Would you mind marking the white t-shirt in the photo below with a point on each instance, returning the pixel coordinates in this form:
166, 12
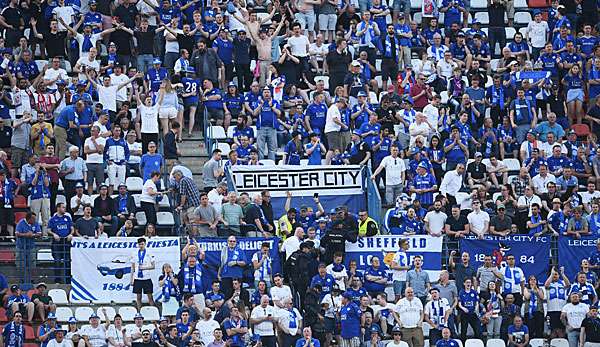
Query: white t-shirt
394, 167
409, 312
394, 344
575, 313
206, 329
64, 343
433, 115
117, 81
586, 196
401, 258
143, 7
335, 305
264, 328
215, 199
437, 221
134, 159
21, 101
97, 336
66, 13
339, 276
280, 293
540, 183
290, 245
85, 200
537, 33
477, 220
51, 74
172, 46
534, 199
94, 158
107, 96
116, 334
149, 184
333, 112
298, 45
85, 63
149, 119
131, 329
318, 51
147, 262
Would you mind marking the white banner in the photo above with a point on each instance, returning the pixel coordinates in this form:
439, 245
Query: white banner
300, 180
385, 246
101, 268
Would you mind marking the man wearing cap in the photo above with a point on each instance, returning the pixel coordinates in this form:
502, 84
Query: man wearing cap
423, 184
59, 339
155, 75
140, 273
79, 201
437, 312
355, 82
357, 151
134, 332
47, 330
19, 303
94, 334
477, 173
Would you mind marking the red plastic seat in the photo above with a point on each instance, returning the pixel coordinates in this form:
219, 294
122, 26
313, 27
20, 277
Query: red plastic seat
29, 333
30, 292
19, 216
20, 201
7, 256
538, 3
30, 345
3, 317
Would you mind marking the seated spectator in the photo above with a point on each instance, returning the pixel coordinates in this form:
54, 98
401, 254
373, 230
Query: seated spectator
518, 333
19, 303
43, 302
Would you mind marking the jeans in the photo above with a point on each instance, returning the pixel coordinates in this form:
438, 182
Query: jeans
26, 262
391, 192
170, 59
114, 224
365, 5
573, 337
496, 34
144, 62
493, 327
267, 136
521, 132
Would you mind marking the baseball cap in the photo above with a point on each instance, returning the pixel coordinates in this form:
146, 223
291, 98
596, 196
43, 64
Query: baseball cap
72, 320
79, 185
347, 295
501, 206
138, 315
93, 315
51, 315
422, 164
41, 284
156, 61
361, 93
355, 63
478, 154
14, 288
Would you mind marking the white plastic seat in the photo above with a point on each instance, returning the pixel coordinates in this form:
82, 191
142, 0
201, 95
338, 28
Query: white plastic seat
303, 162
82, 314
494, 64
483, 17
123, 299
230, 132
535, 343
521, 4
522, 18
224, 147
136, 199
164, 218
474, 343
510, 33
75, 300
110, 312
45, 255
416, 4
500, 343
141, 218
216, 132
444, 96
127, 313
478, 4
59, 296
63, 314
134, 184
61, 198
559, 343
267, 162
325, 80
164, 202
150, 313
512, 164
373, 98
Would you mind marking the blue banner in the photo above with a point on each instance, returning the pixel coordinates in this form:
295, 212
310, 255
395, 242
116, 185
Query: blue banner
571, 251
532, 254
250, 245
385, 246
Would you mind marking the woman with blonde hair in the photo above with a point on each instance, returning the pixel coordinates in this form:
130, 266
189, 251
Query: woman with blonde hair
574, 84
169, 106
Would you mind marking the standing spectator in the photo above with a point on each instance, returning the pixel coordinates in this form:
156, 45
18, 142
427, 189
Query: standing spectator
418, 280
8, 189
94, 149
589, 331
572, 316
350, 317
60, 228
13, 333
149, 196
462, 270
40, 195
468, 303
212, 171
435, 220
236, 328
116, 155
104, 210
51, 164
233, 261
395, 171
27, 230
290, 323
479, 220
74, 170
437, 312
267, 111
189, 194
513, 280
263, 318
139, 282
409, 311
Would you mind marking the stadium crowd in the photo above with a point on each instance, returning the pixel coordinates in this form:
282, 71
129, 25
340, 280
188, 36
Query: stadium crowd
97, 94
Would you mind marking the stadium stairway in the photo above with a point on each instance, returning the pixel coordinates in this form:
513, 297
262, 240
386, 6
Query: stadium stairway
193, 155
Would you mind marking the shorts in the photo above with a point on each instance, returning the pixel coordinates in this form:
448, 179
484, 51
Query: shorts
334, 141
189, 102
399, 287
555, 322
575, 94
7, 217
142, 286
18, 156
215, 113
331, 326
389, 69
306, 20
167, 112
327, 22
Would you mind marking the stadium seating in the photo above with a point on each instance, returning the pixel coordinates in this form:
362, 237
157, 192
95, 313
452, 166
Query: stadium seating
522, 18
216, 132
536, 342
110, 312
559, 343
63, 314
150, 313
134, 184
474, 343
127, 313
83, 313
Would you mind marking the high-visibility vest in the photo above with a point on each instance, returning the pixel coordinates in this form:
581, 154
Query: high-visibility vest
362, 227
